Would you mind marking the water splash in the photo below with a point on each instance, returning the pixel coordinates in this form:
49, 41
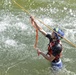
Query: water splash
11, 42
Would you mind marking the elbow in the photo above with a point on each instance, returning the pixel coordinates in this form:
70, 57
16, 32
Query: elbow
50, 58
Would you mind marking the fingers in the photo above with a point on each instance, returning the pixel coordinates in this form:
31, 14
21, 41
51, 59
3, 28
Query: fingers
38, 51
32, 18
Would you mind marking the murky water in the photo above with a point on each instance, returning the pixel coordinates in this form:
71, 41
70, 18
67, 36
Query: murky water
17, 36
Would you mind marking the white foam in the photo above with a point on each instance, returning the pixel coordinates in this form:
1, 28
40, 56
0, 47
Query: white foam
67, 59
65, 8
48, 21
67, 72
22, 26
11, 42
3, 26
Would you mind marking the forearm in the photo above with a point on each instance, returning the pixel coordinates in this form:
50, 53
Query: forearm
46, 57
37, 26
43, 32
40, 29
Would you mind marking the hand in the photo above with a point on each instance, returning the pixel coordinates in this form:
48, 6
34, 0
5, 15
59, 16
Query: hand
32, 18
32, 21
38, 51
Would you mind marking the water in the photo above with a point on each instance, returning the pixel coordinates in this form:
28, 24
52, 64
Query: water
17, 36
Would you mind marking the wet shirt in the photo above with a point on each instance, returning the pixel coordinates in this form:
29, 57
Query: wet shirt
57, 48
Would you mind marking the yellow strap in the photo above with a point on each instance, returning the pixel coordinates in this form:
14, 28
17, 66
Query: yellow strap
44, 24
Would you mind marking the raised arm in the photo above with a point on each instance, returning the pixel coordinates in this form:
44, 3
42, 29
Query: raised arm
37, 26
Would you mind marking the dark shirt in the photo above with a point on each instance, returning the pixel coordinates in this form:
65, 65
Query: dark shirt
57, 48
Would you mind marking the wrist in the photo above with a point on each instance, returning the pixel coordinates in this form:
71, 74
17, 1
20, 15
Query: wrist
41, 53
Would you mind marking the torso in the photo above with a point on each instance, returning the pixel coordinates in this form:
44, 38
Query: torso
55, 49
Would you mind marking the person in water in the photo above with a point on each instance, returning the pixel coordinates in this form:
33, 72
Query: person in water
54, 47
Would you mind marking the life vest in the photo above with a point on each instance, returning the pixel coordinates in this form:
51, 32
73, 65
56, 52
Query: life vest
50, 51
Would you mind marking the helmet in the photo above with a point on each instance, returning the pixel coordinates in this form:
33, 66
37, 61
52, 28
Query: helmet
60, 33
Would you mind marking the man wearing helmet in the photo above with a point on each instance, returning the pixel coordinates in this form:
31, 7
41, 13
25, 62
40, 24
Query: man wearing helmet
54, 47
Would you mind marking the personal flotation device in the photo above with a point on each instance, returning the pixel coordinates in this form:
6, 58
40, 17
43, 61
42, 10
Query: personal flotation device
50, 51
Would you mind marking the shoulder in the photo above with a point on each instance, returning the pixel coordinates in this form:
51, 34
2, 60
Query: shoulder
48, 35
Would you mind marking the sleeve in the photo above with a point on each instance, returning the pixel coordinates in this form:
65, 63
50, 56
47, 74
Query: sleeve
56, 50
48, 36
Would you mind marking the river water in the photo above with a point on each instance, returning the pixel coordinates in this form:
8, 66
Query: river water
17, 36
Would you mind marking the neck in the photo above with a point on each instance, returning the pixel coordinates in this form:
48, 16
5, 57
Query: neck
54, 40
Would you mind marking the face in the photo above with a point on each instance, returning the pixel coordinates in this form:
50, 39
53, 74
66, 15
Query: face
53, 35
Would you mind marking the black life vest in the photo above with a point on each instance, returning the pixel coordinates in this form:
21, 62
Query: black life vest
50, 51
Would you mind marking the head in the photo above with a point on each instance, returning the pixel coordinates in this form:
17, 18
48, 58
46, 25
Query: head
57, 34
